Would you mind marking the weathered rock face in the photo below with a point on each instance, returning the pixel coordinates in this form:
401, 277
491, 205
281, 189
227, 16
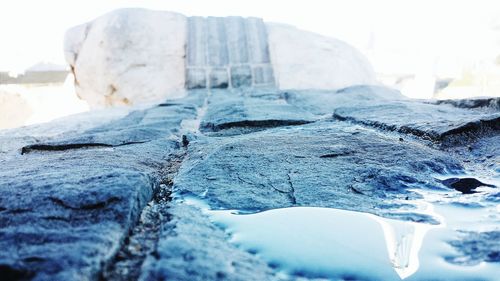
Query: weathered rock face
67, 205
109, 201
134, 56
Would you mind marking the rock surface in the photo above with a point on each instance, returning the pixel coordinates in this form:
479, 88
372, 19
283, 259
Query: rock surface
128, 56
323, 164
67, 206
305, 60
271, 117
110, 201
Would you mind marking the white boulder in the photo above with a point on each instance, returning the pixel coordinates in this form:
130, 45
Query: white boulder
128, 56
134, 56
305, 60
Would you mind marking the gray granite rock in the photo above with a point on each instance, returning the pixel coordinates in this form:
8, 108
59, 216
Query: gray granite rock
248, 111
492, 104
445, 124
476, 247
257, 41
192, 248
66, 206
217, 54
74, 205
449, 122
326, 164
324, 102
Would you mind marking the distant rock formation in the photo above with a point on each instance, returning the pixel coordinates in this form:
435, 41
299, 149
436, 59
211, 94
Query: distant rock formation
131, 56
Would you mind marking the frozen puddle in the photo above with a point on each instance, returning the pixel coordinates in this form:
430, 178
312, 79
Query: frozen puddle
332, 243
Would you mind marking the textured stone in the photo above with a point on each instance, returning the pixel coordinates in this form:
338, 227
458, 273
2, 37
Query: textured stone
70, 203
134, 56
192, 248
476, 247
484, 103
325, 164
324, 102
257, 38
445, 124
239, 112
66, 206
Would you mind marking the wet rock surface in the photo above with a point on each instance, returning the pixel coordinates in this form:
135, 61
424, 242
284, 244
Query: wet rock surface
323, 164
109, 203
476, 247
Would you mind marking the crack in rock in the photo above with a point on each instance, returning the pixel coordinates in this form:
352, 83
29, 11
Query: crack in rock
465, 185
92, 206
334, 155
143, 238
263, 124
11, 273
291, 194
70, 146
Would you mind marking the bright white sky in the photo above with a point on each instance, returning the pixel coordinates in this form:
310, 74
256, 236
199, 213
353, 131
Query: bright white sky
32, 30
